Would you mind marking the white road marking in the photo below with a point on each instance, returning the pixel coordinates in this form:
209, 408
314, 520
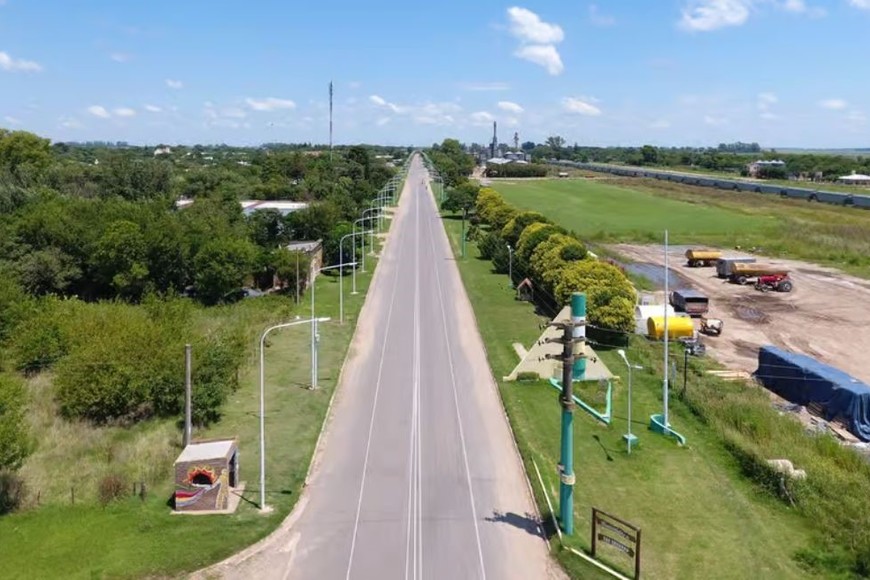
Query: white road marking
456, 404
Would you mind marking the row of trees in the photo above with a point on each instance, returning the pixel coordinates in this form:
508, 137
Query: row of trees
554, 259
94, 253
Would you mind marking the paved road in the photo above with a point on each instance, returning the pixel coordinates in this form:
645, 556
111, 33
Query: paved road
418, 476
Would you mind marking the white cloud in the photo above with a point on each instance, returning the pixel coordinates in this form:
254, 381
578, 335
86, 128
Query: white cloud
765, 100
834, 104
510, 107
768, 116
482, 118
270, 104
599, 19
854, 116
99, 111
120, 57
528, 27
382, 102
124, 112
801, 7
485, 86
660, 124
538, 39
512, 122
12, 120
70, 123
580, 106
545, 55
10, 64
174, 84
383, 121
862, 4
232, 113
153, 109
715, 121
706, 15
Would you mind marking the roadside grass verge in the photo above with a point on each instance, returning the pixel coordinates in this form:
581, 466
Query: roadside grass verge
699, 515
134, 538
639, 210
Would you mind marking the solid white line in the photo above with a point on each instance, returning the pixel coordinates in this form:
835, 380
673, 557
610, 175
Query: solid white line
456, 403
372, 421
417, 380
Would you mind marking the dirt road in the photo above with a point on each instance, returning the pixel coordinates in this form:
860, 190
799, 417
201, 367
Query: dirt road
825, 316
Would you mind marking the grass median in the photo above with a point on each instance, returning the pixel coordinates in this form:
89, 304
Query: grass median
135, 537
699, 515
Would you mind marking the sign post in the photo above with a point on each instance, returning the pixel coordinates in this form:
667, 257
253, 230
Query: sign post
617, 533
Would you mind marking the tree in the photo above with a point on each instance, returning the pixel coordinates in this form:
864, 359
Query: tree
120, 259
268, 228
221, 266
511, 232
551, 256
24, 155
610, 295
49, 271
291, 268
462, 197
314, 222
649, 155
531, 238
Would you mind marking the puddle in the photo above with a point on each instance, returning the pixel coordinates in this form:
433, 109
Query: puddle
750, 314
655, 274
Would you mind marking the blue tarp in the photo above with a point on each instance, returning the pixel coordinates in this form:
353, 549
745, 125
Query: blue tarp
804, 380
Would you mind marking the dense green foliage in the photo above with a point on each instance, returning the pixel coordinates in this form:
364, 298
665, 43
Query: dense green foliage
14, 440
556, 262
452, 161
518, 170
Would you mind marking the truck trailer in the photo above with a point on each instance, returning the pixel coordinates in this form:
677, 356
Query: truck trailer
746, 273
724, 266
691, 302
697, 258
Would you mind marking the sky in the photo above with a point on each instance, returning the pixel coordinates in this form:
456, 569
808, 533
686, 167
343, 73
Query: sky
783, 73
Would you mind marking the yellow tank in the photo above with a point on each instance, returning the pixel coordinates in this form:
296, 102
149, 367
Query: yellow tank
678, 327
702, 257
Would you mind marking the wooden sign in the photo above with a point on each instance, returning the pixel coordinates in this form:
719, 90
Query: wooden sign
617, 533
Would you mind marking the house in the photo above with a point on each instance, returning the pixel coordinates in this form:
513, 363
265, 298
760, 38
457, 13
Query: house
314, 251
855, 179
163, 150
757, 167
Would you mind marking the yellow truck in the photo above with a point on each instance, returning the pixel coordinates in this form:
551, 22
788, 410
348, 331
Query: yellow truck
697, 258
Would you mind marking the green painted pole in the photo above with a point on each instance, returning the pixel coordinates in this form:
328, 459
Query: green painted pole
566, 464
578, 317
464, 212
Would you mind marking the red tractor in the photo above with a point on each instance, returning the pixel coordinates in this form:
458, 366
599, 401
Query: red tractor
778, 282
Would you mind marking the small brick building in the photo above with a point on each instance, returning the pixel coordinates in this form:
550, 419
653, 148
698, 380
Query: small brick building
205, 473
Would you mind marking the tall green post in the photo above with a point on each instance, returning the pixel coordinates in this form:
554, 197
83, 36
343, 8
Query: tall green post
464, 215
566, 463
578, 317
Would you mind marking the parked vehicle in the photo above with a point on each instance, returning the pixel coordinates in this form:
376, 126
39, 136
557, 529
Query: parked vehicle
778, 282
746, 273
691, 302
697, 258
724, 266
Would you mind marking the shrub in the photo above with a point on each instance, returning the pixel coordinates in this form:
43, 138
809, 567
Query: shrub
517, 170
514, 228
488, 245
528, 377
15, 442
42, 338
532, 237
501, 215
12, 491
487, 200
610, 295
112, 487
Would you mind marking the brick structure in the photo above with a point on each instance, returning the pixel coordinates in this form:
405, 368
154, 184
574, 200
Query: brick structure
205, 473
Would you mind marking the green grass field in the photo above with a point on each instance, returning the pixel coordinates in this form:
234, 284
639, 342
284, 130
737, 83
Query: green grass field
133, 538
700, 518
631, 210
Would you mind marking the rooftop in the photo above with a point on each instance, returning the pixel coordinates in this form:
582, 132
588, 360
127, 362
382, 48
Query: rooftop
206, 450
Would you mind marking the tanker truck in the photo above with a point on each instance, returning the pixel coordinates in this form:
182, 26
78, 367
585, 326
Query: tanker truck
697, 258
742, 273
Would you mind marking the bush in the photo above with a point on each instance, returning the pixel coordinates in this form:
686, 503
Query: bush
610, 295
15, 442
547, 259
42, 338
488, 245
517, 170
12, 491
528, 377
112, 487
514, 228
532, 237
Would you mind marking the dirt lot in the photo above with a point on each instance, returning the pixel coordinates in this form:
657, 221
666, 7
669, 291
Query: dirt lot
826, 316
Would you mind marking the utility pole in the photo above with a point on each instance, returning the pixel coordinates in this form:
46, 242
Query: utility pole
566, 457
188, 396
297, 277
464, 215
330, 121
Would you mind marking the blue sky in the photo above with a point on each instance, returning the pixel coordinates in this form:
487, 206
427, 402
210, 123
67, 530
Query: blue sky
667, 72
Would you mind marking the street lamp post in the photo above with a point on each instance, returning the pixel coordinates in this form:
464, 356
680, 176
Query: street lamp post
341, 265
362, 240
315, 338
630, 439
263, 507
